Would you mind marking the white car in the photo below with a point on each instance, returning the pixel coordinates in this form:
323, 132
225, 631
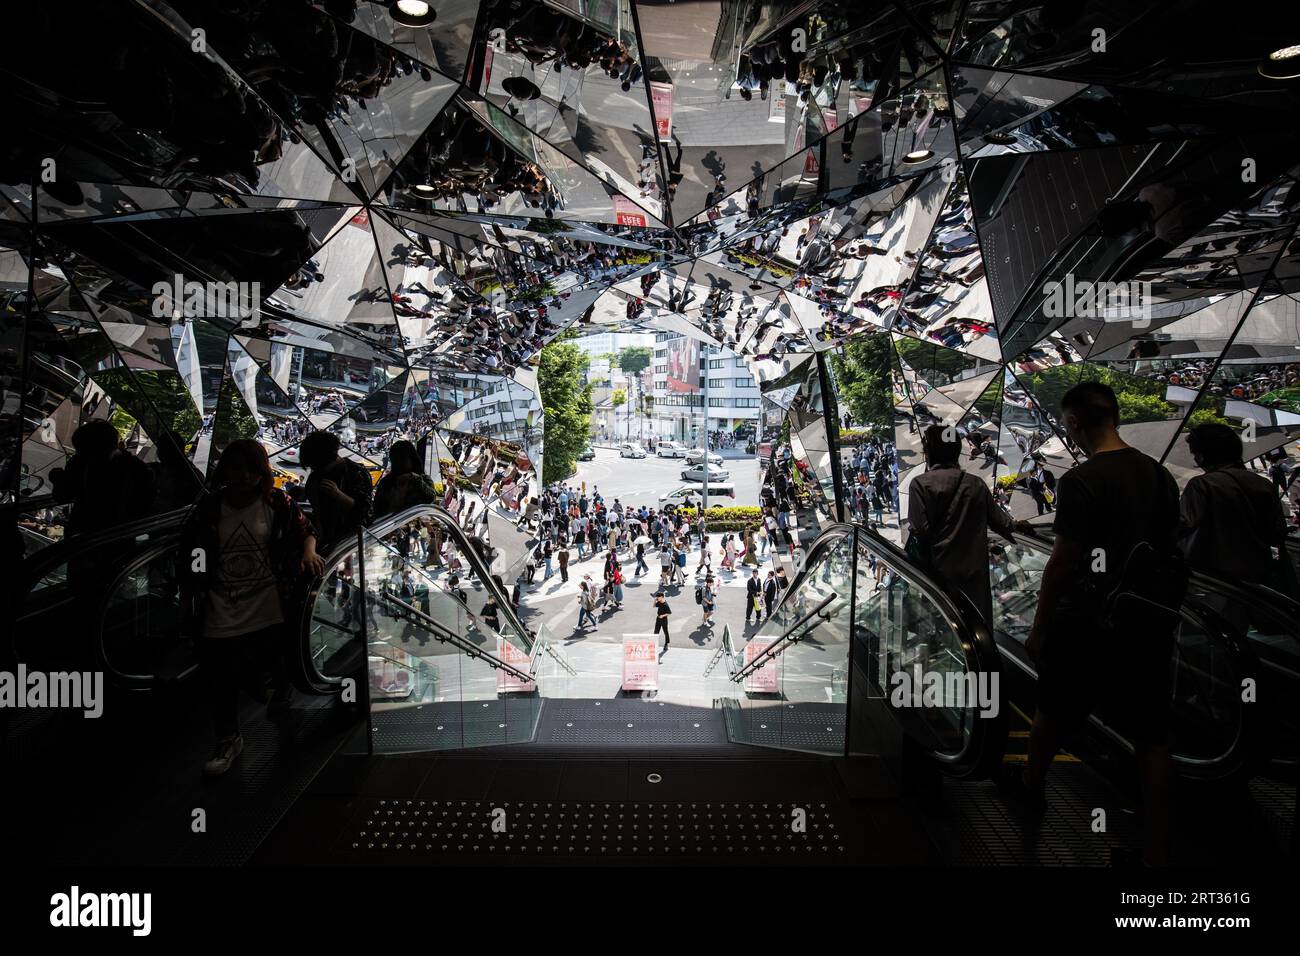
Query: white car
690, 494
696, 455
670, 449
696, 473
289, 456
630, 450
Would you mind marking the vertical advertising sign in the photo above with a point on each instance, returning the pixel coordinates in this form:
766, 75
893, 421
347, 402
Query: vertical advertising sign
763, 680
640, 663
628, 213
661, 95
508, 683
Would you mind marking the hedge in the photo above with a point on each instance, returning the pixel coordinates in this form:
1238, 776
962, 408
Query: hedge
736, 518
853, 436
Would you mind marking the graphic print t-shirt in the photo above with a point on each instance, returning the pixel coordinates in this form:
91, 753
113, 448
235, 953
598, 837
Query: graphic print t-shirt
243, 597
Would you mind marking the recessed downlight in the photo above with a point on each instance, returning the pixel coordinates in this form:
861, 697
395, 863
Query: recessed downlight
918, 156
412, 13
1282, 64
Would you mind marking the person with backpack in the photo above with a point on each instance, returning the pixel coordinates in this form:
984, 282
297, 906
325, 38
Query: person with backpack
1232, 521
586, 604
404, 485
706, 596
339, 490
1107, 607
949, 517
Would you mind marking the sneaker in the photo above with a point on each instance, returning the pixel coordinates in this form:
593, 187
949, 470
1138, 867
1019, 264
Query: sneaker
223, 755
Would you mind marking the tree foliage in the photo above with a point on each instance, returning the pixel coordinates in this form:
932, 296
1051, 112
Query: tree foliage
634, 359
567, 405
861, 370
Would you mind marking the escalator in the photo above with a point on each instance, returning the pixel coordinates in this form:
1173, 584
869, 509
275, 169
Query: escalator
923, 661
69, 582
124, 585
843, 659
1214, 735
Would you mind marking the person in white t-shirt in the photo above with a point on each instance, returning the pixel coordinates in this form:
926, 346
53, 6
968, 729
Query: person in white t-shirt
246, 543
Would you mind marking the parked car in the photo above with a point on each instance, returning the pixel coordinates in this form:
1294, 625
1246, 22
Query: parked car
670, 449
630, 449
587, 454
696, 473
696, 455
689, 495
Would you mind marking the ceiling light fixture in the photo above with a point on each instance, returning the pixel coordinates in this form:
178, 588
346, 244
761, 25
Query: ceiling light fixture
1283, 64
918, 156
412, 13
999, 138
423, 188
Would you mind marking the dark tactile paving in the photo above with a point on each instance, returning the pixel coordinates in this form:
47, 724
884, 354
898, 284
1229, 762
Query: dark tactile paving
457, 832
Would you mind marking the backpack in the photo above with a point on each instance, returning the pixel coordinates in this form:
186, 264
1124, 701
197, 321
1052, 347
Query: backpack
1150, 591
699, 595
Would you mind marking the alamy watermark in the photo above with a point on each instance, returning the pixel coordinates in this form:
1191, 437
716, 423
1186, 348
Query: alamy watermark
201, 300
967, 690
62, 690
1109, 301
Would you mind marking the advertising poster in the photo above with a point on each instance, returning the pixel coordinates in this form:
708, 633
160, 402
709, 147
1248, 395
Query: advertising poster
683, 366
763, 680
508, 683
640, 663
661, 94
628, 213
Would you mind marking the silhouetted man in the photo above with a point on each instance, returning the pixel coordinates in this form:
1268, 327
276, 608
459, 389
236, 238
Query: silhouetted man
1115, 500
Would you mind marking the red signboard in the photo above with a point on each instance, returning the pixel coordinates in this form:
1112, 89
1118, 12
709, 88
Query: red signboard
508, 683
661, 94
628, 213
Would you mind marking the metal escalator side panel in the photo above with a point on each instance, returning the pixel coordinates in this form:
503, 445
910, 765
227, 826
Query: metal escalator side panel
929, 656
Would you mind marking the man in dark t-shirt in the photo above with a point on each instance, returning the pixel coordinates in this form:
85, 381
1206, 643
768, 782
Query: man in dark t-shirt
1106, 506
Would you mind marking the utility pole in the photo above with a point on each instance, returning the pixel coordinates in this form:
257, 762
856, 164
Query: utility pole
704, 507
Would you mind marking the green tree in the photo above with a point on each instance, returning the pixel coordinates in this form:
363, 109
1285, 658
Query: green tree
634, 360
861, 370
567, 405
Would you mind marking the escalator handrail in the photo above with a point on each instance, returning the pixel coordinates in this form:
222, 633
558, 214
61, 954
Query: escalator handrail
449, 636
778, 646
41, 563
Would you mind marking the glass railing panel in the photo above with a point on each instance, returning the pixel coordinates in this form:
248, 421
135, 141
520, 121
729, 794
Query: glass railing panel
140, 626
912, 653
796, 698
465, 701
441, 556
1272, 626
812, 669
1206, 717
334, 621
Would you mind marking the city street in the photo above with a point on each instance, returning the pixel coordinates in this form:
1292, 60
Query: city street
640, 481
597, 653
